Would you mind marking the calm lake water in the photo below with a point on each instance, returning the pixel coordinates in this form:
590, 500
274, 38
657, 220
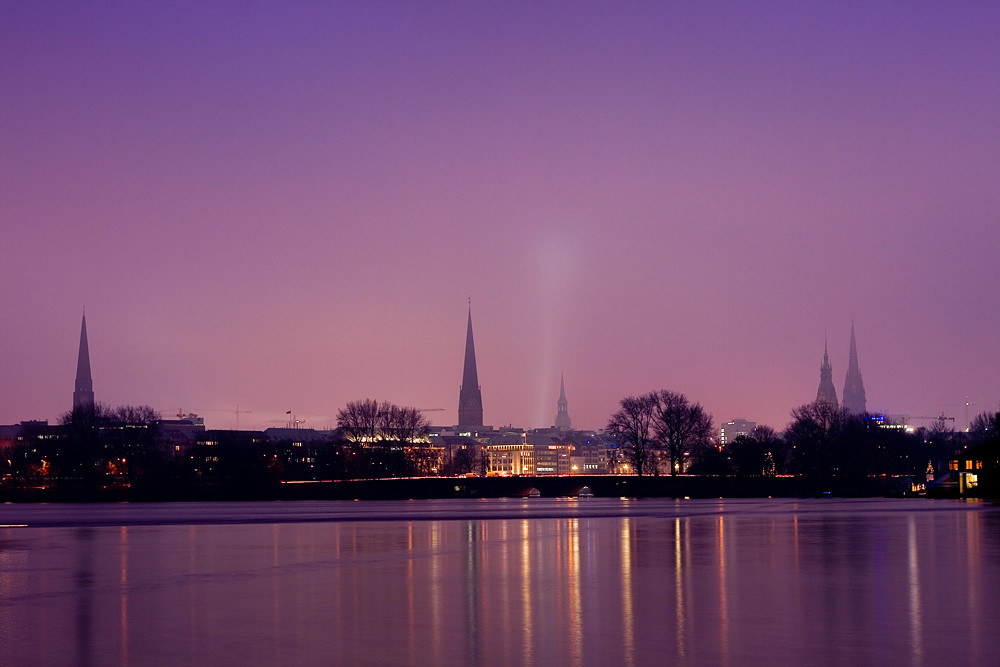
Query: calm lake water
539, 581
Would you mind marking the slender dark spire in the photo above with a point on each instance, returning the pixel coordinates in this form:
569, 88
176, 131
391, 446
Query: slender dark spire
854, 386
562, 407
826, 392
83, 395
470, 397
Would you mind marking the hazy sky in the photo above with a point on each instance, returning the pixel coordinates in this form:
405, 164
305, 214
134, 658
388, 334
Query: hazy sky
286, 206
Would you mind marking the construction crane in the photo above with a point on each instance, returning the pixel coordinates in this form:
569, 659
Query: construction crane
237, 412
430, 409
941, 419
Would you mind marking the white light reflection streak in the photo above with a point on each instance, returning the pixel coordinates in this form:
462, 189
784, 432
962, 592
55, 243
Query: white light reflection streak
575, 621
527, 626
410, 593
194, 623
123, 584
435, 592
972, 524
679, 589
628, 619
916, 627
276, 591
723, 591
472, 584
505, 592
795, 557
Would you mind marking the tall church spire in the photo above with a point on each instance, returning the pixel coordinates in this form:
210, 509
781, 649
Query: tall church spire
562, 407
854, 387
83, 394
826, 392
470, 397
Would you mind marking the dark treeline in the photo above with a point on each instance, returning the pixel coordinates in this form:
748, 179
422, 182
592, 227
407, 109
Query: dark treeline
100, 447
128, 447
662, 432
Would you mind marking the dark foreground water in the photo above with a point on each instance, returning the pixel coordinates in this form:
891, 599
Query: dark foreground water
540, 581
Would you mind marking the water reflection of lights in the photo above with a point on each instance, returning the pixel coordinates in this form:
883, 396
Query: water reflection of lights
679, 589
527, 624
123, 584
628, 618
435, 590
723, 590
411, 585
975, 584
503, 566
472, 585
575, 615
916, 631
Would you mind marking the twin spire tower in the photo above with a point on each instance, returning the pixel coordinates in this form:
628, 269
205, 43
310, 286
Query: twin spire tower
854, 386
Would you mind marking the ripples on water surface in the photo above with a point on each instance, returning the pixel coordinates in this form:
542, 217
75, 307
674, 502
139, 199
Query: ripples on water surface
540, 581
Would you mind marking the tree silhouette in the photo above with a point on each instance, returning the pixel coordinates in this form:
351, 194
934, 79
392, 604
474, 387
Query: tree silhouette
631, 426
681, 428
379, 434
812, 433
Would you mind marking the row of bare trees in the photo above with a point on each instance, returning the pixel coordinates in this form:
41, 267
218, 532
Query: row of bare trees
91, 445
379, 437
370, 422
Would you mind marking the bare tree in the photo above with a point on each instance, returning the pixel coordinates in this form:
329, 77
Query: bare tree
104, 441
984, 426
371, 422
681, 428
380, 433
401, 424
359, 420
82, 455
130, 442
774, 447
630, 425
814, 429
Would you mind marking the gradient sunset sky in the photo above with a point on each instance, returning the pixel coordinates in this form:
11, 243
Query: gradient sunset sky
287, 206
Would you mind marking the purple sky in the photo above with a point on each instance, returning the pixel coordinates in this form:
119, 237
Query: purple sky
285, 206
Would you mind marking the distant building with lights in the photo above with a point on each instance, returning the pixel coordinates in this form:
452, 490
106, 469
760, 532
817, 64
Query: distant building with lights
527, 454
732, 430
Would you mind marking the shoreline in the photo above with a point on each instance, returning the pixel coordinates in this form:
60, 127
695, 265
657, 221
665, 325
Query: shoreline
599, 486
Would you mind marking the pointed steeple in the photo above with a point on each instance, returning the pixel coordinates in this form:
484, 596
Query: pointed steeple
562, 407
470, 397
826, 392
854, 386
83, 394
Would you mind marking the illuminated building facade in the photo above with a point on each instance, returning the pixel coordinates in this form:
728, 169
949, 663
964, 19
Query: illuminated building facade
730, 431
512, 454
